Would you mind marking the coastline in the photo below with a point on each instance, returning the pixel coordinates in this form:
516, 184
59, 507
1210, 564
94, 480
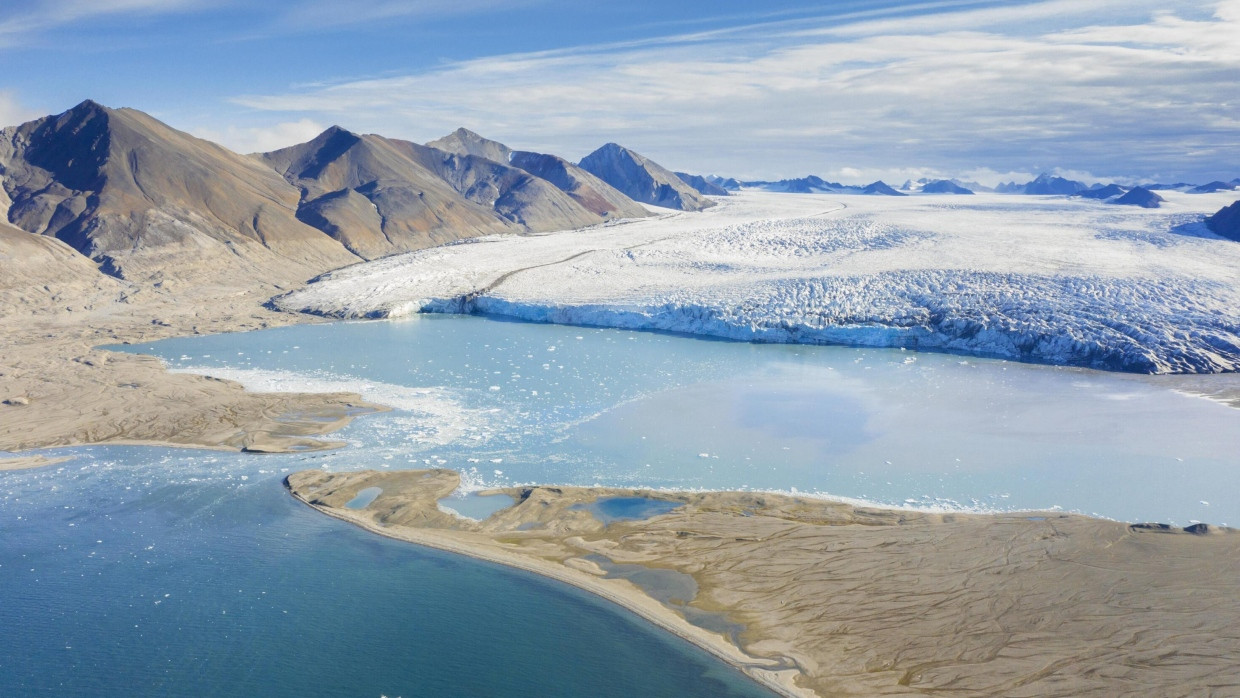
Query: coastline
841, 599
631, 599
29, 462
58, 389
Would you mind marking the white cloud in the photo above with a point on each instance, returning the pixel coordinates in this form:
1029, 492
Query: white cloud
12, 111
261, 139
1026, 88
319, 13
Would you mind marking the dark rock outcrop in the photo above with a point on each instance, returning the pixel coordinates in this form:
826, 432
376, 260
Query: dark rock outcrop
880, 188
1226, 222
1139, 196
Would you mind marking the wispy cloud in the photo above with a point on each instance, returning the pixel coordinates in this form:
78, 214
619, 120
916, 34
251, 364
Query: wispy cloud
20, 21
1111, 87
332, 13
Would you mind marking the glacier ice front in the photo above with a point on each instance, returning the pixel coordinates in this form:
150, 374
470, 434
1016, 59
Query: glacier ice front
1035, 279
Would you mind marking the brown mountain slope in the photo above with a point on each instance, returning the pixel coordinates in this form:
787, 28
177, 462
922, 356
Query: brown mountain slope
465, 142
43, 275
512, 193
379, 196
366, 192
153, 204
591, 192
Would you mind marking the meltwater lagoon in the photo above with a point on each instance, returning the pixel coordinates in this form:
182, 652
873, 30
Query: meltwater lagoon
142, 570
510, 402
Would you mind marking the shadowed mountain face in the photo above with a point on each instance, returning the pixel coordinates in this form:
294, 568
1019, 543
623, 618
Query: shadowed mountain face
1139, 197
591, 192
154, 204
379, 196
1044, 185
1102, 193
642, 179
880, 188
1226, 222
1213, 187
1047, 185
702, 184
465, 142
944, 186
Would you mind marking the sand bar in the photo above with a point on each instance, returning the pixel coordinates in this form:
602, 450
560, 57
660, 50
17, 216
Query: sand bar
842, 600
28, 462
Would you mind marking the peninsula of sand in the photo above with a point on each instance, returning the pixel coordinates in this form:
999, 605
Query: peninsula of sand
820, 598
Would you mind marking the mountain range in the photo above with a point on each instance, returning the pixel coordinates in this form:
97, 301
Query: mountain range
944, 186
148, 203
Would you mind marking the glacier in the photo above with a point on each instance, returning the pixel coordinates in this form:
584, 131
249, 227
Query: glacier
1034, 278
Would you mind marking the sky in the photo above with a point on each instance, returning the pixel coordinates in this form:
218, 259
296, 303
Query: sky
853, 90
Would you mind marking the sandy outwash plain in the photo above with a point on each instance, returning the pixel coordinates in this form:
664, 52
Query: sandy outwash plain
56, 389
837, 600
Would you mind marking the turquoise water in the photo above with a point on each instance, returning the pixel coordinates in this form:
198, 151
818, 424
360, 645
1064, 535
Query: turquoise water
150, 571
510, 403
609, 509
477, 506
364, 498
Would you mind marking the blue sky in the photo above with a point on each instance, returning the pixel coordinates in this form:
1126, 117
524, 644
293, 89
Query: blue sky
848, 90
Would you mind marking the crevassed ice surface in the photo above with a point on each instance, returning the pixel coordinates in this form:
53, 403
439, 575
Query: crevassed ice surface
510, 402
1043, 279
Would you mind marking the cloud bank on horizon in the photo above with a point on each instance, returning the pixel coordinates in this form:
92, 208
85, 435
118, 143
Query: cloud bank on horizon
1106, 89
